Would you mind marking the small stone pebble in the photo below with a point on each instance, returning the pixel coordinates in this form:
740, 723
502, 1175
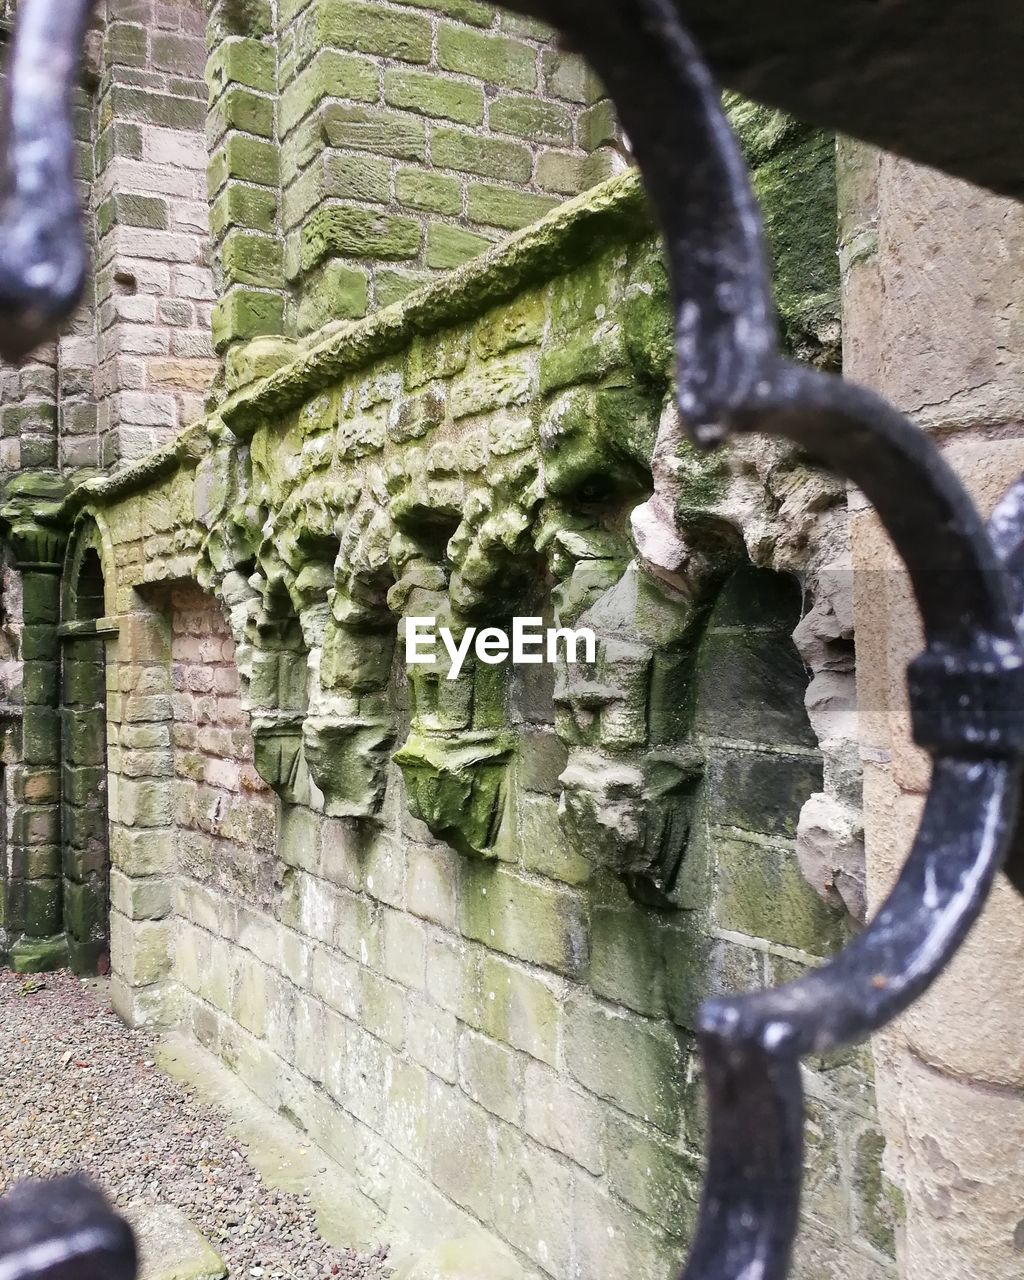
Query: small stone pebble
82, 1092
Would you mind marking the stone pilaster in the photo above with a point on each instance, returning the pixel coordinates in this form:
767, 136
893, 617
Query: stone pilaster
34, 905
243, 174
932, 319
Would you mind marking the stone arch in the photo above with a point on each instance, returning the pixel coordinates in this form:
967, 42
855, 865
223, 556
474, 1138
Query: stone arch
89, 549
84, 827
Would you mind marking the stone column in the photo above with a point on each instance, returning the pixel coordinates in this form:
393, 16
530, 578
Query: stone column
34, 898
243, 173
934, 319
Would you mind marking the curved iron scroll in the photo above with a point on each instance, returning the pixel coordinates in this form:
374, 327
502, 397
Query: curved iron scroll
965, 688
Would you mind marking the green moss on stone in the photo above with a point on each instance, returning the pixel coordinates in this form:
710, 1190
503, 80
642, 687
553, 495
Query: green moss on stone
794, 177
39, 955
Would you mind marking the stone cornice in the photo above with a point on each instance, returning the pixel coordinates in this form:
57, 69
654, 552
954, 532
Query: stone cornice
615, 211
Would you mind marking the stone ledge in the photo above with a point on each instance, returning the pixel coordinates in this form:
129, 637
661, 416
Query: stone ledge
567, 237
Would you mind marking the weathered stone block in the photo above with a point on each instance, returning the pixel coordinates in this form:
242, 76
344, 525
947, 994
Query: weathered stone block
432, 1037
520, 1007
249, 258
762, 892
761, 791
242, 316
241, 61
492, 1075
461, 1140
142, 952
404, 950
496, 384
626, 959
249, 995
449, 247
664, 1184
612, 1240
382, 133
142, 853
486, 157
239, 108
635, 1065
563, 1118
530, 118
330, 74
144, 804
39, 955
40, 736
366, 28
533, 1202
358, 233
751, 689
432, 96
545, 924
431, 192
568, 76
544, 843
495, 59
337, 177
146, 899
337, 292
244, 159
394, 285
499, 207
407, 1112
432, 884
382, 1003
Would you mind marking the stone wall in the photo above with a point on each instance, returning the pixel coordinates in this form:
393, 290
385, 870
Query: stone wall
933, 320
463, 943
357, 148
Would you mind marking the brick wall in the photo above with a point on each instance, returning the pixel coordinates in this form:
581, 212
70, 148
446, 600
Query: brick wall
225, 814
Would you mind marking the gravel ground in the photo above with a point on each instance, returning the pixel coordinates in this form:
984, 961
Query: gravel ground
81, 1092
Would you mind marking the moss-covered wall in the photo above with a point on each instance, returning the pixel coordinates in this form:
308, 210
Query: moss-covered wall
468, 960
358, 149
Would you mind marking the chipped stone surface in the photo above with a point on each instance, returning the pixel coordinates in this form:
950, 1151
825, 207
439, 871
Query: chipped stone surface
473, 1259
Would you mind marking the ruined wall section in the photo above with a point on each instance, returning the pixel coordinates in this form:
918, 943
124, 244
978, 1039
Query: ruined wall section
469, 966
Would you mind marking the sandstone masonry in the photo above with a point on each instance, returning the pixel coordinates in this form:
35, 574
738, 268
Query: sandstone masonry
455, 930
